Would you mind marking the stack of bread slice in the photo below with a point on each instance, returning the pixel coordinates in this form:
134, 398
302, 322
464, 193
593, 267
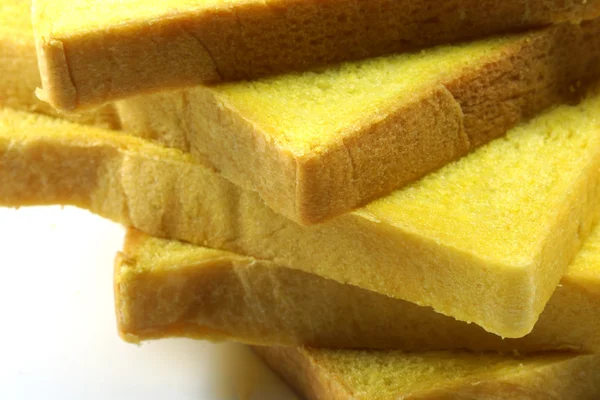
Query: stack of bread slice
386, 199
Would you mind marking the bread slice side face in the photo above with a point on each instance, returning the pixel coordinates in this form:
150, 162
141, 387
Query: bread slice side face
168, 288
93, 52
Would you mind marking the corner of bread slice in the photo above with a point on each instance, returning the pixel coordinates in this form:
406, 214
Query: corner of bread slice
57, 87
121, 267
506, 300
382, 153
522, 297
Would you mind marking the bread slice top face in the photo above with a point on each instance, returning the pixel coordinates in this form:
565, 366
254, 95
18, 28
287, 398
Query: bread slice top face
485, 239
499, 202
149, 254
373, 375
153, 255
29, 128
331, 374
306, 113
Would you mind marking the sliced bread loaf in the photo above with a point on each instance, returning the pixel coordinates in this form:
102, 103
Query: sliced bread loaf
485, 239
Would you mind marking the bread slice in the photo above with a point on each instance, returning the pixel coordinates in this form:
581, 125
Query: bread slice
392, 375
318, 144
484, 240
94, 51
166, 288
19, 75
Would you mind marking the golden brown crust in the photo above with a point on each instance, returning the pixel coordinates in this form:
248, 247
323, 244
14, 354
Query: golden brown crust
257, 38
546, 70
413, 140
540, 69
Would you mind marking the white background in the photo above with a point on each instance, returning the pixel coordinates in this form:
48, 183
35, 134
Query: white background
58, 336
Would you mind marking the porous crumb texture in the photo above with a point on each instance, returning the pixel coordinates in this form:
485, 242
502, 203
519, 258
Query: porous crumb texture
94, 51
484, 239
318, 144
390, 375
19, 75
421, 244
167, 288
